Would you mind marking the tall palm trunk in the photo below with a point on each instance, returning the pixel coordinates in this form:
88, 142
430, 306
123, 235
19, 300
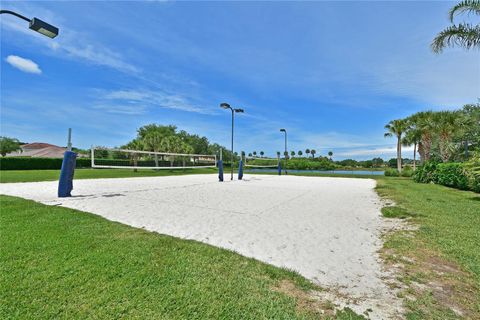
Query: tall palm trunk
399, 153
421, 152
444, 150
427, 145
414, 155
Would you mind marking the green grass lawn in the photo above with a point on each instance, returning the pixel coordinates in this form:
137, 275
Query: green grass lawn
61, 263
57, 262
441, 260
50, 175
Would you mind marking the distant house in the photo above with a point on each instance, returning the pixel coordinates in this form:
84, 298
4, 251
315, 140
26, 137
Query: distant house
39, 150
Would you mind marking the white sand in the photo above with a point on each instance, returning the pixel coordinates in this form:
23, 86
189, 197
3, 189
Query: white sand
327, 229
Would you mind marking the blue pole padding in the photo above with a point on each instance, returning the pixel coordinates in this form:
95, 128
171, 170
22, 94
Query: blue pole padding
279, 168
220, 170
240, 170
65, 184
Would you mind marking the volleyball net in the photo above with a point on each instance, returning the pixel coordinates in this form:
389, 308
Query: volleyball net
136, 159
259, 162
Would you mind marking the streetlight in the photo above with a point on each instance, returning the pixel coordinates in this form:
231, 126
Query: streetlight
36, 24
286, 152
225, 105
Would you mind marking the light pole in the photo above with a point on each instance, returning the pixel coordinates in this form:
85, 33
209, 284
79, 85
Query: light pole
36, 24
225, 105
286, 152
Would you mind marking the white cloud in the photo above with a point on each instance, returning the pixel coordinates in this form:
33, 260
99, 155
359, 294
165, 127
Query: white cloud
369, 153
121, 109
149, 98
96, 54
448, 80
70, 43
22, 64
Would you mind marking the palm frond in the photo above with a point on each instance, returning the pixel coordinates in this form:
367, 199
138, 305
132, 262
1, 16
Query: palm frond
464, 35
469, 6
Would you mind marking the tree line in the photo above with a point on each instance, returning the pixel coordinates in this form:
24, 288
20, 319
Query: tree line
438, 135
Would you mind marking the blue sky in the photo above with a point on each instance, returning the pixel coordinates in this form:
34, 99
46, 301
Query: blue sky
332, 73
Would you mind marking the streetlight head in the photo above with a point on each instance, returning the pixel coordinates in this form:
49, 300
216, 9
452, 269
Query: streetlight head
239, 110
224, 105
43, 28
283, 130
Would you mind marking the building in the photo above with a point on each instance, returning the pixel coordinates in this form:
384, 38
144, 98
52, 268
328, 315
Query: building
39, 150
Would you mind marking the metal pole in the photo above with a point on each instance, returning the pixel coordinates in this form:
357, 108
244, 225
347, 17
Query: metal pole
69, 144
286, 153
231, 177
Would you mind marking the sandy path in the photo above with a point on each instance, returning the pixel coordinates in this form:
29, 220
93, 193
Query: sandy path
327, 229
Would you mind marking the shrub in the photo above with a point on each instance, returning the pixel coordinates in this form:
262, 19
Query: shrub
471, 169
310, 164
407, 171
26, 163
390, 172
424, 173
451, 175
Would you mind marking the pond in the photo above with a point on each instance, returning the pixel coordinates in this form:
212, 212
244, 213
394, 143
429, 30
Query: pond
354, 172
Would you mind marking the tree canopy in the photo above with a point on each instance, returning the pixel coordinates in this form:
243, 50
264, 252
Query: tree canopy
8, 145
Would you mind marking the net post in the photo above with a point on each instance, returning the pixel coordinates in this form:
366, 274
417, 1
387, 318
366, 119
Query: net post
65, 183
279, 166
92, 154
220, 170
240, 169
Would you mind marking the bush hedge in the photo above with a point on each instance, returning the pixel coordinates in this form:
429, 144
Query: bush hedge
406, 172
463, 176
304, 164
26, 163
390, 172
451, 175
425, 173
472, 172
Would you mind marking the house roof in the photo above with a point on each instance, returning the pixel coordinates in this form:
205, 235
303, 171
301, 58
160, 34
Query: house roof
39, 145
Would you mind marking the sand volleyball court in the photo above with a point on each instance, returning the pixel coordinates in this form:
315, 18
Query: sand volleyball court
327, 229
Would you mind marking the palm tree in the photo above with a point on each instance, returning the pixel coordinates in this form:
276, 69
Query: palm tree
446, 123
397, 128
463, 34
424, 122
330, 154
278, 154
254, 153
250, 155
312, 152
412, 136
292, 153
307, 151
300, 153
261, 154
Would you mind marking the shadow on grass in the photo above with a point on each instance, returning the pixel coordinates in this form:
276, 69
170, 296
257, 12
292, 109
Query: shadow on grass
397, 212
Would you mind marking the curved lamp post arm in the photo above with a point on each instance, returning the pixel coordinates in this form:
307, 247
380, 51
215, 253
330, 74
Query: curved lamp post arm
36, 24
15, 14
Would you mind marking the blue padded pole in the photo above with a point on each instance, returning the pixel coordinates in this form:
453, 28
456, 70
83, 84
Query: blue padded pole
240, 170
65, 183
279, 168
220, 170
